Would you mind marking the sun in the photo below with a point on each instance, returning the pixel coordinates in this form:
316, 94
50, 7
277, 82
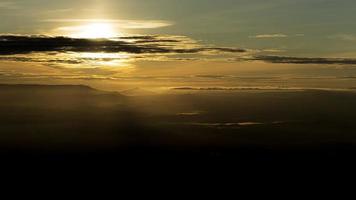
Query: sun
95, 30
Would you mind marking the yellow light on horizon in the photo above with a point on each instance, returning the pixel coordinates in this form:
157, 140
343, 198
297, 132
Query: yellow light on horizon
94, 31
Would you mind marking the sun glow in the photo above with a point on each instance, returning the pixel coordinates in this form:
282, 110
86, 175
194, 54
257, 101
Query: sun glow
94, 30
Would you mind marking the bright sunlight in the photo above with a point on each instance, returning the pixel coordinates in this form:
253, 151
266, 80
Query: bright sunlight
93, 30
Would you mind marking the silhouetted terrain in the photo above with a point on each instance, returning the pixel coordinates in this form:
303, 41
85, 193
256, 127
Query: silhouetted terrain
81, 124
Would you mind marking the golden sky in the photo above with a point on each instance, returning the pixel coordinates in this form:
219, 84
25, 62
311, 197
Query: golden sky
162, 44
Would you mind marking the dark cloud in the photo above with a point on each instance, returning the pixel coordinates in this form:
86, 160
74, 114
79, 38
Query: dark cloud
305, 60
11, 45
224, 125
231, 88
225, 49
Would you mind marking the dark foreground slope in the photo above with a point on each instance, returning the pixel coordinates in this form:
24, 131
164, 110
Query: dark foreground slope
77, 124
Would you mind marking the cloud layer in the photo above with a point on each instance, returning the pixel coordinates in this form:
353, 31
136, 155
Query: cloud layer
23, 49
10, 44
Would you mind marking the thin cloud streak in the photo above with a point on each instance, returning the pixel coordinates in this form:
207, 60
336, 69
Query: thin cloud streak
123, 24
344, 37
303, 60
279, 35
8, 5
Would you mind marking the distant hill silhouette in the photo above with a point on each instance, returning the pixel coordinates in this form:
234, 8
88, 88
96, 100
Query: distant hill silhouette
53, 88
55, 95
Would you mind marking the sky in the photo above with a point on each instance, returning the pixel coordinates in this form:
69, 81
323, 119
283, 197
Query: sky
193, 40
